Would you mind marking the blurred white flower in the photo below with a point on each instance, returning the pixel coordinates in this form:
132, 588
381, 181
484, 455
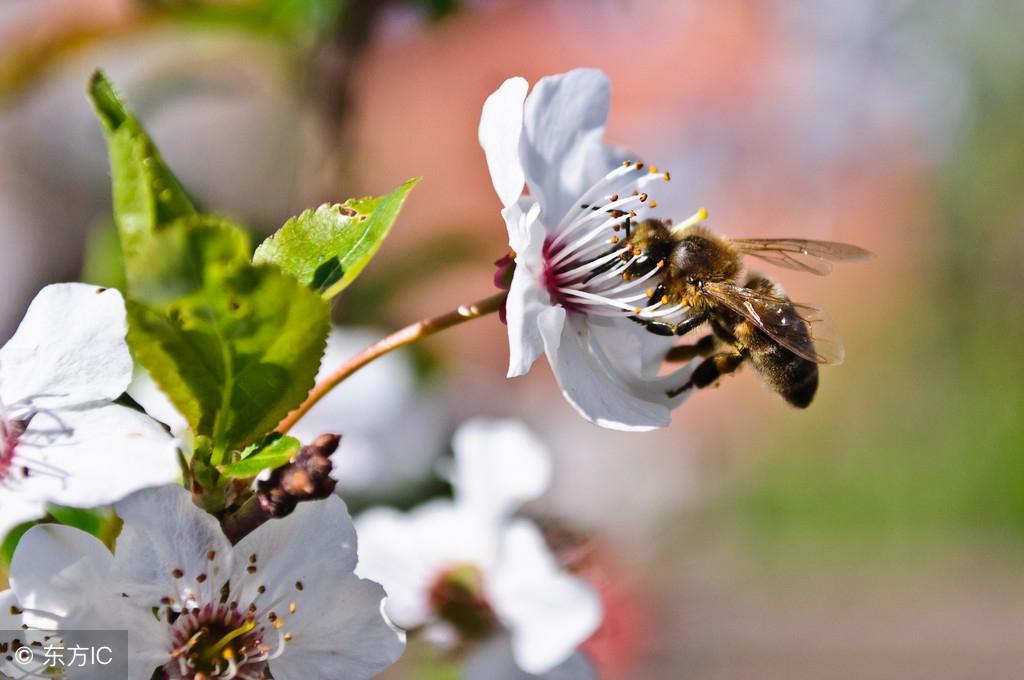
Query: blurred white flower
391, 433
467, 571
62, 440
567, 297
285, 598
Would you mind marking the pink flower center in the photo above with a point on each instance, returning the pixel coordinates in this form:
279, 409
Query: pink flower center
10, 431
586, 258
458, 597
216, 637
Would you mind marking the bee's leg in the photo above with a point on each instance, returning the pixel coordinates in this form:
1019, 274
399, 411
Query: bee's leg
701, 348
602, 268
665, 328
656, 294
710, 370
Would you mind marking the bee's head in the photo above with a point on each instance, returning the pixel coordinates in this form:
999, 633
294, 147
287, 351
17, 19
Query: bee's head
650, 242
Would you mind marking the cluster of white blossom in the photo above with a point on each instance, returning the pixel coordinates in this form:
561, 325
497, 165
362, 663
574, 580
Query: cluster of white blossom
298, 597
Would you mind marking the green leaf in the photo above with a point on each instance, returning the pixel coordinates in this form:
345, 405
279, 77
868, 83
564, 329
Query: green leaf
89, 521
234, 346
102, 262
272, 455
11, 540
327, 248
147, 195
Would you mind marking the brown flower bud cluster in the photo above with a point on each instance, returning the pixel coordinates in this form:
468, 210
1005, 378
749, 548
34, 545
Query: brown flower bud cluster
306, 477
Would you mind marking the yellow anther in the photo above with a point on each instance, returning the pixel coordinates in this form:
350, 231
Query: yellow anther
667, 176
613, 198
695, 218
637, 252
292, 608
649, 292
614, 239
661, 264
654, 169
638, 310
664, 299
654, 204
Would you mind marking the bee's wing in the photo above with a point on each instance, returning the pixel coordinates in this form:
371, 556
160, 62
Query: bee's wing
802, 329
813, 257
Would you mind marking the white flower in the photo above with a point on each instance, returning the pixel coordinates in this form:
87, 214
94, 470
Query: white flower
467, 571
62, 440
284, 598
14, 662
567, 297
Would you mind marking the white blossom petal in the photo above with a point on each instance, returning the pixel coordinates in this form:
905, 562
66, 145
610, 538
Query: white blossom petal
339, 635
316, 544
69, 349
94, 455
56, 567
388, 554
561, 148
66, 580
548, 612
604, 398
17, 509
527, 296
147, 394
165, 531
636, 359
501, 125
499, 465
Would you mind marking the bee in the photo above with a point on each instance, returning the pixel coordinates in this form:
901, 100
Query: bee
783, 340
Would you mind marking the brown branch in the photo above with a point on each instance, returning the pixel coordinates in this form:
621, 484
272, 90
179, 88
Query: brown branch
401, 338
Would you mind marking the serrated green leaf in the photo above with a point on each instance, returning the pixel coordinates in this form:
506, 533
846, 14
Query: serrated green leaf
147, 195
233, 345
273, 455
327, 248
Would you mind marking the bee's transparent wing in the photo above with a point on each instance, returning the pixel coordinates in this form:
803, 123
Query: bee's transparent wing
802, 329
813, 257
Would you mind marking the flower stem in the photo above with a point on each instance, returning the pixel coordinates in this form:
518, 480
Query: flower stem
406, 336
